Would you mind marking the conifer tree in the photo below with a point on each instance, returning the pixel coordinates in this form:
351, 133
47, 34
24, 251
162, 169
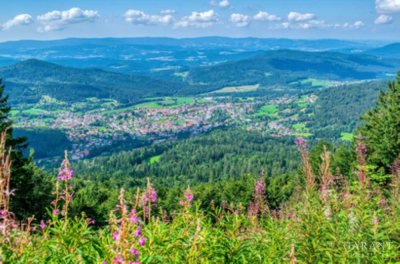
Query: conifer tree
381, 127
31, 187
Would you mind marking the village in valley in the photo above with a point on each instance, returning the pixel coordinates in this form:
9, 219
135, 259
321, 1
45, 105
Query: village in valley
96, 123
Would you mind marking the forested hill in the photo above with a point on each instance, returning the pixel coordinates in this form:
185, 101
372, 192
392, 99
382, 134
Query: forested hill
29, 80
286, 66
219, 155
338, 109
389, 51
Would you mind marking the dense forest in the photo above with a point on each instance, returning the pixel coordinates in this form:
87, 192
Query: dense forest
339, 108
282, 68
31, 79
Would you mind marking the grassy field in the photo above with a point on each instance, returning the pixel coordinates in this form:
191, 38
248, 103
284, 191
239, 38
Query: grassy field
302, 102
183, 75
154, 159
34, 112
346, 136
315, 83
267, 110
238, 89
167, 102
299, 127
304, 135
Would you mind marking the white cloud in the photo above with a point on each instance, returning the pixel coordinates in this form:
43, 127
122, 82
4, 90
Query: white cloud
138, 17
222, 3
198, 19
314, 24
387, 6
264, 16
305, 25
19, 20
285, 25
168, 12
355, 25
59, 20
300, 17
358, 24
240, 20
320, 24
383, 19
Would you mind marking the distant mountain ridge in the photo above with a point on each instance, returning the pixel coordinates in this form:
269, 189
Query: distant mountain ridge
388, 51
29, 80
286, 66
204, 42
162, 57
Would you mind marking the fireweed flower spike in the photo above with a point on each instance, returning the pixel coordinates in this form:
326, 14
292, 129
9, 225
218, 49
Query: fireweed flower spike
118, 260
138, 232
189, 195
361, 150
149, 197
55, 212
309, 175
6, 222
133, 217
259, 203
65, 173
300, 142
116, 236
142, 241
42, 225
135, 252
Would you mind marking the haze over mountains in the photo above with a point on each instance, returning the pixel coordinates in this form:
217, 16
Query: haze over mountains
160, 54
129, 70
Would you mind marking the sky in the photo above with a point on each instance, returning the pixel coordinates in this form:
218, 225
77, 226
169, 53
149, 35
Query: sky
299, 19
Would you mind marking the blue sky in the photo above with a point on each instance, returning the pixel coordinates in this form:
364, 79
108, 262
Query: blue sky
306, 19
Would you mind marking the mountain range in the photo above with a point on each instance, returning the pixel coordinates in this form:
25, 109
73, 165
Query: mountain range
29, 80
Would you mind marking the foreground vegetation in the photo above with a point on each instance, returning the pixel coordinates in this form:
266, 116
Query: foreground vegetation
328, 219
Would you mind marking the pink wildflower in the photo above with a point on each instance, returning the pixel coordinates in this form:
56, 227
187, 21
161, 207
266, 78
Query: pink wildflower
138, 232
189, 195
142, 241
55, 212
116, 236
118, 260
134, 217
65, 174
42, 225
153, 195
150, 194
134, 252
260, 187
300, 141
146, 210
